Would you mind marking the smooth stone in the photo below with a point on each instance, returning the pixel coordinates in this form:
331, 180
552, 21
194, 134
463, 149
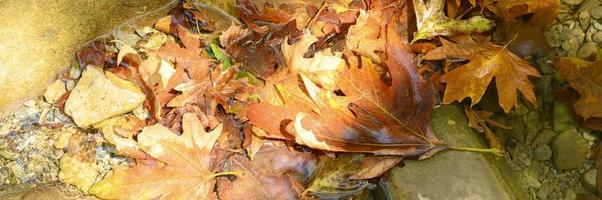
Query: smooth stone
570, 150
543, 152
596, 12
588, 179
100, 95
587, 50
597, 37
55, 91
544, 137
39, 39
453, 174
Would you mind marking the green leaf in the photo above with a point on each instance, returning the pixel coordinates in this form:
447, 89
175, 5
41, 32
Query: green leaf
220, 56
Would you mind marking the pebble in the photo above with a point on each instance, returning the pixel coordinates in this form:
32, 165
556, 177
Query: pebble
597, 37
572, 2
544, 137
587, 50
569, 150
596, 12
588, 179
544, 191
570, 194
543, 152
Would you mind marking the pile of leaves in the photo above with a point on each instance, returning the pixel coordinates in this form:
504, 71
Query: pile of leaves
307, 99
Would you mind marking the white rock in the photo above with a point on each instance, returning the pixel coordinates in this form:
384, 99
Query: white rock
100, 95
55, 91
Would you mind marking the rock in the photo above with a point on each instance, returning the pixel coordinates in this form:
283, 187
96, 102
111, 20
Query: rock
82, 174
570, 195
100, 95
587, 50
597, 37
572, 2
55, 91
54, 30
452, 174
570, 150
588, 179
596, 12
543, 152
544, 191
544, 137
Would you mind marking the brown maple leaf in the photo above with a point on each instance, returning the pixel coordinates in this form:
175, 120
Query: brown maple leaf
486, 62
586, 78
182, 170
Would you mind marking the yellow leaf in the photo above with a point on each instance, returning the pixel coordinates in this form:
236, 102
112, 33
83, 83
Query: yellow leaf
486, 62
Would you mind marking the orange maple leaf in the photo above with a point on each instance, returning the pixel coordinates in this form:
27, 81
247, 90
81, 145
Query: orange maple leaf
486, 61
181, 172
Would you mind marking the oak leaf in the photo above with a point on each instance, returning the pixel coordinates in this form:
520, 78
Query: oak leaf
586, 78
183, 169
486, 62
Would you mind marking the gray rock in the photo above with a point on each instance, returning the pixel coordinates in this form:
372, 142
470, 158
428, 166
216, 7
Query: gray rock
99, 96
453, 174
588, 179
543, 152
570, 150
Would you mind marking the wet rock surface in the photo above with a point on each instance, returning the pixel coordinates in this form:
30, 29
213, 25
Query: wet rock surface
570, 150
474, 176
39, 38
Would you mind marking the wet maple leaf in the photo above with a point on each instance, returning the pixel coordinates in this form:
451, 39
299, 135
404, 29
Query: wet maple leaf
367, 36
586, 78
486, 62
181, 172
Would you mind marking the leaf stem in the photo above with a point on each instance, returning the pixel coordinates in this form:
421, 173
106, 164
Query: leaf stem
315, 17
235, 173
494, 151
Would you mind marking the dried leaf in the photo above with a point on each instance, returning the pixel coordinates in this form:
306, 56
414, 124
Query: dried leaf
477, 120
487, 61
184, 171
